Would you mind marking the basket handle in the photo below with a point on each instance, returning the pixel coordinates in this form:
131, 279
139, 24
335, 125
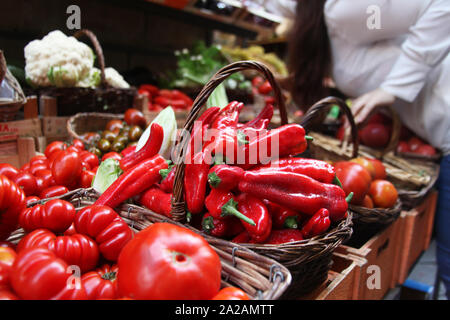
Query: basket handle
178, 205
326, 104
98, 51
2, 66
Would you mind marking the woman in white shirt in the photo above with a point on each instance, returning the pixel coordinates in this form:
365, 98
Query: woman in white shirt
380, 52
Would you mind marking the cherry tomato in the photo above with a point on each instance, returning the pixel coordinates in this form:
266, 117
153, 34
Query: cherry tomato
383, 194
54, 146
91, 137
86, 178
55, 215
27, 182
38, 274
265, 88
66, 168
165, 261
426, 150
8, 171
354, 178
29, 200
77, 143
7, 257
414, 143
134, 117
114, 124
12, 201
53, 191
402, 147
101, 283
89, 158
231, 293
112, 155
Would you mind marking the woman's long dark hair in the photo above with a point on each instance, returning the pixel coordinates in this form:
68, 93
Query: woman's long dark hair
309, 59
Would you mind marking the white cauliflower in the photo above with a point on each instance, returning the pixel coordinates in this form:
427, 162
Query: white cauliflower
113, 78
57, 60
92, 80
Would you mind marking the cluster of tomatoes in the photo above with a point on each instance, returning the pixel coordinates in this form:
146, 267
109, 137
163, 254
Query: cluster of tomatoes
60, 169
417, 146
159, 99
366, 178
264, 88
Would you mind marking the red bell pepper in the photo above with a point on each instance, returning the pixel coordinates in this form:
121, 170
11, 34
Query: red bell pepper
283, 217
254, 209
317, 224
133, 182
150, 148
157, 200
262, 120
243, 237
284, 236
222, 203
319, 170
221, 227
296, 191
224, 177
168, 178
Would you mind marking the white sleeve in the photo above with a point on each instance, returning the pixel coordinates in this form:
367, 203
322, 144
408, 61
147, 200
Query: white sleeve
426, 46
283, 8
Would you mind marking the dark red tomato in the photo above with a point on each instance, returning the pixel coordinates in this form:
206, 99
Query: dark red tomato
54, 146
36, 167
55, 215
112, 155
66, 168
8, 171
27, 182
7, 257
38, 274
265, 88
414, 143
231, 293
86, 179
402, 147
77, 143
114, 125
101, 283
165, 261
29, 200
89, 158
8, 295
12, 201
53, 191
134, 117
426, 150
354, 178
375, 135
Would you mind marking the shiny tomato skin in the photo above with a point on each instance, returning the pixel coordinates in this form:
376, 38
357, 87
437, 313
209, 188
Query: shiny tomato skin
53, 147
66, 168
101, 283
165, 261
375, 135
8, 170
87, 176
38, 274
7, 295
77, 143
27, 182
414, 143
114, 124
368, 165
12, 201
37, 167
55, 215
47, 178
265, 87
367, 202
31, 199
39, 159
7, 257
53, 191
354, 178
134, 117
380, 169
231, 293
104, 225
426, 150
383, 194
89, 158
112, 155
403, 147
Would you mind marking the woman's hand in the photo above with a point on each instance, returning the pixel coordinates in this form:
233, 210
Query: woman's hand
363, 105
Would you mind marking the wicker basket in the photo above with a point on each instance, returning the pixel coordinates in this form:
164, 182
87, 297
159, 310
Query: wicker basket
260, 277
89, 122
308, 260
102, 99
9, 108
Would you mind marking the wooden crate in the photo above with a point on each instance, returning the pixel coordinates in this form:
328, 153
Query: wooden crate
379, 252
53, 127
343, 279
416, 228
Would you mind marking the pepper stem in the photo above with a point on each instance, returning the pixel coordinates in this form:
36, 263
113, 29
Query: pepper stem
309, 138
349, 197
291, 222
229, 209
109, 275
337, 182
188, 217
208, 224
214, 180
164, 173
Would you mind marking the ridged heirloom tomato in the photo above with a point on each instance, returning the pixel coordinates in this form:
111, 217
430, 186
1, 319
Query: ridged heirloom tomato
38, 274
101, 283
12, 201
66, 168
168, 262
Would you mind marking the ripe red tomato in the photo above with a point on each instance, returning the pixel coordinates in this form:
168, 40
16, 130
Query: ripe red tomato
90, 137
367, 202
414, 143
257, 81
265, 88
231, 293
25, 167
368, 165
77, 249
36, 167
29, 200
7, 257
426, 150
134, 117
354, 178
71, 230
112, 155
47, 178
165, 261
8, 295
53, 191
101, 283
53, 147
375, 135
77, 143
86, 179
38, 159
55, 215
380, 170
114, 125
89, 158
12, 201
104, 225
383, 194
27, 182
38, 274
66, 168
8, 171
402, 147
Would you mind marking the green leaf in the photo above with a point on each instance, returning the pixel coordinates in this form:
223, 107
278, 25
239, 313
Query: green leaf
108, 171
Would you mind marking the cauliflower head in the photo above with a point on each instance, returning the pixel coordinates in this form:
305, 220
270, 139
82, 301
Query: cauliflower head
114, 79
57, 60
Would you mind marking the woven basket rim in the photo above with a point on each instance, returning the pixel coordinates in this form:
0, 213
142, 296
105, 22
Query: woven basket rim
71, 122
